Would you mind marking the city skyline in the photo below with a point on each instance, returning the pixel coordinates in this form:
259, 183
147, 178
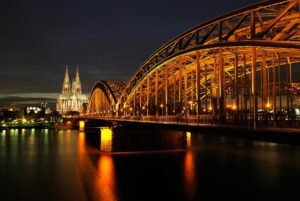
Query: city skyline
40, 39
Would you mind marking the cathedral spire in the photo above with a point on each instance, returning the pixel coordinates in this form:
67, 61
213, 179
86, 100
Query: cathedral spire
77, 78
77, 83
67, 80
66, 84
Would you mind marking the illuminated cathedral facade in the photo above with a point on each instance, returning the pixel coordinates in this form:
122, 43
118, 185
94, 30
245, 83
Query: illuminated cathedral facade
71, 98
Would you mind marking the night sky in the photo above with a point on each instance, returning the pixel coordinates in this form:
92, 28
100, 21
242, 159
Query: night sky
107, 39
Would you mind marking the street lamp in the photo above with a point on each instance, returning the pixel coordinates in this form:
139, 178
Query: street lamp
162, 111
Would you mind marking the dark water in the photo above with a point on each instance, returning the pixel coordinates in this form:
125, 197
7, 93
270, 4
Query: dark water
143, 165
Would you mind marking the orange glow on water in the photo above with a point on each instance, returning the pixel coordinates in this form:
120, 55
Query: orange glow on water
81, 142
188, 140
106, 140
106, 178
81, 125
189, 175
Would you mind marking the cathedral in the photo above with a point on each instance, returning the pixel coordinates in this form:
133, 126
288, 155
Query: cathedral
71, 97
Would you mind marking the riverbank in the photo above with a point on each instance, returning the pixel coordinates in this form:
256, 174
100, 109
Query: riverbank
59, 127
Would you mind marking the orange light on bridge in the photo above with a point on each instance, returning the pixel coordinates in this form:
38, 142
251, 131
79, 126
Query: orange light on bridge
106, 140
81, 126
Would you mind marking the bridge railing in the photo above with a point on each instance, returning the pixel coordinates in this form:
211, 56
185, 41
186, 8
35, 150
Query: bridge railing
210, 120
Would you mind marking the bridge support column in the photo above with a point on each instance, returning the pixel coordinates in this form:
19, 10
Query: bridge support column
221, 85
287, 89
265, 87
274, 86
206, 90
253, 86
198, 106
156, 92
148, 94
134, 103
213, 90
279, 87
236, 89
174, 95
117, 110
81, 125
180, 85
141, 98
186, 109
166, 88
245, 88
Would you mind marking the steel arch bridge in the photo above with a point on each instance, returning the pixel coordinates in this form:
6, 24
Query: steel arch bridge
104, 96
242, 62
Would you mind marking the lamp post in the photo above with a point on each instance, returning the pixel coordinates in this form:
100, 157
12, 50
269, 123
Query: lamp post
162, 111
143, 109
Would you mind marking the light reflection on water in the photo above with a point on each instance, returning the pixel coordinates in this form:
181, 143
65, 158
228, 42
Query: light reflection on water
106, 178
72, 165
189, 175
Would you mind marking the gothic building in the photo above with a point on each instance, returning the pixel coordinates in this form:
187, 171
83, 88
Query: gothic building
71, 97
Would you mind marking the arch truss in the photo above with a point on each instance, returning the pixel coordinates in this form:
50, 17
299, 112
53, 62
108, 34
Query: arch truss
243, 61
104, 96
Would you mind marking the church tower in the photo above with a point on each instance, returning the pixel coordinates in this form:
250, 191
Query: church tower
71, 98
66, 84
77, 82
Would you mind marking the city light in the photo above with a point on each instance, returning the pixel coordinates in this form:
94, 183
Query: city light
81, 125
106, 139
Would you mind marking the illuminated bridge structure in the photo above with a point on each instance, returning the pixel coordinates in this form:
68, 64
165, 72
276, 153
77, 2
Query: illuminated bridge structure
243, 65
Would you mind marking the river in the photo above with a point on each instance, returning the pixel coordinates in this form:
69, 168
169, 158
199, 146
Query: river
138, 165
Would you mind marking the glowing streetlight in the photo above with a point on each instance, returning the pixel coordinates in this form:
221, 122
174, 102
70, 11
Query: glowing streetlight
162, 111
130, 109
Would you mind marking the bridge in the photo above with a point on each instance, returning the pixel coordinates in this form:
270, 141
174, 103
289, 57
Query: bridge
241, 67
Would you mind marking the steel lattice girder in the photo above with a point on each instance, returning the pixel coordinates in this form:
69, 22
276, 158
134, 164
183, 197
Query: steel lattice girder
273, 25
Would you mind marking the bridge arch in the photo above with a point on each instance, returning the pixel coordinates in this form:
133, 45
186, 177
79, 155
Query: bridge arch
243, 60
103, 97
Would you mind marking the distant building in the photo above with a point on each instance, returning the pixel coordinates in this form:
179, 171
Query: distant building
71, 99
8, 115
